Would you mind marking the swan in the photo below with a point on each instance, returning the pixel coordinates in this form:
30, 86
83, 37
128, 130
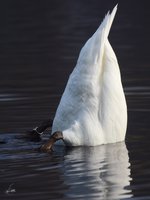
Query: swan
92, 110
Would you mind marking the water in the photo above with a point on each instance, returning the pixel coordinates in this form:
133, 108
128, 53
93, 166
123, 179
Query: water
39, 46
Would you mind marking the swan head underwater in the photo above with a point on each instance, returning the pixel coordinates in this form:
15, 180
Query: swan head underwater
92, 110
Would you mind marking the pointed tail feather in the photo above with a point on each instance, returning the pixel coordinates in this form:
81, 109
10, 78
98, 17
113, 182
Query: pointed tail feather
109, 20
103, 32
92, 51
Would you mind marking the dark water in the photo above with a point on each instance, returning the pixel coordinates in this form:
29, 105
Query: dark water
39, 45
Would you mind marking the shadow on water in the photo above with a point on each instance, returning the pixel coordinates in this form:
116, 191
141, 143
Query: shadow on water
78, 173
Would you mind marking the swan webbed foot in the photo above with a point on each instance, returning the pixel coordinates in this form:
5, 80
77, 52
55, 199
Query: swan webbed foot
47, 147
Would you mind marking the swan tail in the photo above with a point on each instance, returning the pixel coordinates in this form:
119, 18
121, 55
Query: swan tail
108, 20
92, 51
102, 34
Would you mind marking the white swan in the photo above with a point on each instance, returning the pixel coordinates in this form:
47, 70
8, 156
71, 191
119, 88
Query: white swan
92, 110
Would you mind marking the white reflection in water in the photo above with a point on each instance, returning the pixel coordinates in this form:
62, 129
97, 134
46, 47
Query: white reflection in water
98, 172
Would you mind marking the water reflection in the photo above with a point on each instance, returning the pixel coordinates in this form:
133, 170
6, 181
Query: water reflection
98, 172
92, 173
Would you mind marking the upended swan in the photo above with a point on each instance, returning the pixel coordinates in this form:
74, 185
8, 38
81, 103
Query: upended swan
92, 110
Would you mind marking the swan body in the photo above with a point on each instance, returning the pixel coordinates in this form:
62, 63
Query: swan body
92, 110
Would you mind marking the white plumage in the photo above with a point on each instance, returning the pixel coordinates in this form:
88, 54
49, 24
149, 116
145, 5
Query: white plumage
92, 110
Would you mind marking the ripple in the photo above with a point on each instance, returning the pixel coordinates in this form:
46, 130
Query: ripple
11, 97
78, 173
